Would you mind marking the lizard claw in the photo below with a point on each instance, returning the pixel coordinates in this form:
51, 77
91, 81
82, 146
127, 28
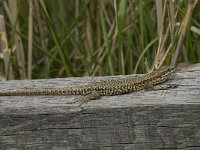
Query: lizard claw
172, 85
82, 100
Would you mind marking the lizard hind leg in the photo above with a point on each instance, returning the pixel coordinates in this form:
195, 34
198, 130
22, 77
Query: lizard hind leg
84, 99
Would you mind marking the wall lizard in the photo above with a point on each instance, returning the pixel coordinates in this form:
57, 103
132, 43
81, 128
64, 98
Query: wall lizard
97, 89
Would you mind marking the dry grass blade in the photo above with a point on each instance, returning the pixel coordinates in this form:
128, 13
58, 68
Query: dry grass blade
182, 31
12, 12
159, 11
162, 34
30, 39
195, 30
169, 36
5, 50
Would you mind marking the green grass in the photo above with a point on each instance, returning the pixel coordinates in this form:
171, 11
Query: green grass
101, 37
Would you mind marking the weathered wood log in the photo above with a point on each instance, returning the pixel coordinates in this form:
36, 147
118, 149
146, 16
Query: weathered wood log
166, 119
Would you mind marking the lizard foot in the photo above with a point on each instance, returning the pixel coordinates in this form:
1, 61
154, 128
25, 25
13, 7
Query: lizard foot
84, 99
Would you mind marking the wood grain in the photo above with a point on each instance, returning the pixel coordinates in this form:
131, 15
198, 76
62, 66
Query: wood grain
166, 119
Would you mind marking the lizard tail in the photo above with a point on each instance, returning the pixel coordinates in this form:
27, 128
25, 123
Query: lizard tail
42, 91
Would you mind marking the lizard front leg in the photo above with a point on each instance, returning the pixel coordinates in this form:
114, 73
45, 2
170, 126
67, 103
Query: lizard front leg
87, 97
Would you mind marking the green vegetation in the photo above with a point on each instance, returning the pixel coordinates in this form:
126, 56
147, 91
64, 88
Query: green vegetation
59, 38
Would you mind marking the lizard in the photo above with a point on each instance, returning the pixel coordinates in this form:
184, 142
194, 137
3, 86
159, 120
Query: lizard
100, 88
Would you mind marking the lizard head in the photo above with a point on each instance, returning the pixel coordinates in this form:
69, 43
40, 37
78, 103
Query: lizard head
162, 74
